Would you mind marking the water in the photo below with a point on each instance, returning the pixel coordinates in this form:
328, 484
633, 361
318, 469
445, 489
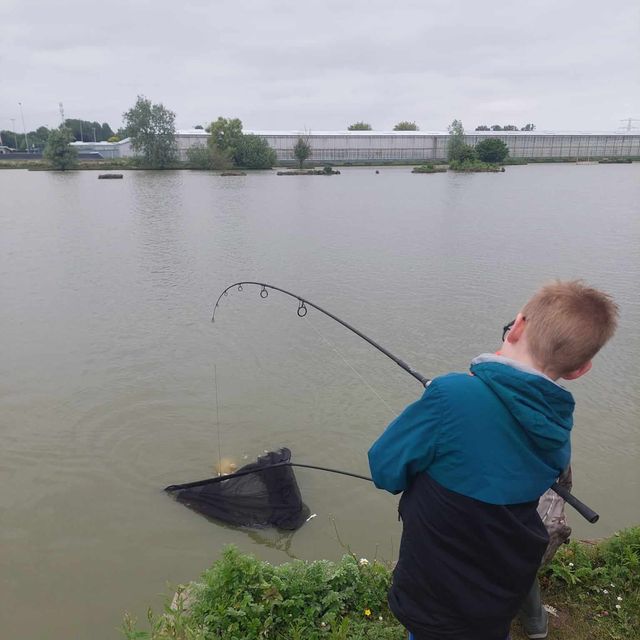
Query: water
106, 377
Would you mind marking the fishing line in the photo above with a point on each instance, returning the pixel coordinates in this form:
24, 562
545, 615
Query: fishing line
344, 359
302, 310
215, 380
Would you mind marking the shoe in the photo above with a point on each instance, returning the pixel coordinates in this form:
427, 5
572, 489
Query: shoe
536, 628
533, 616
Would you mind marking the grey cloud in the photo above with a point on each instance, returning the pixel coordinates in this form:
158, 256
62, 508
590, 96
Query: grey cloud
289, 64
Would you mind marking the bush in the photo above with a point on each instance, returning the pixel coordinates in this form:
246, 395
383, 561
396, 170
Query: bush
597, 586
58, 151
492, 150
302, 150
603, 578
474, 165
253, 152
242, 597
209, 157
466, 153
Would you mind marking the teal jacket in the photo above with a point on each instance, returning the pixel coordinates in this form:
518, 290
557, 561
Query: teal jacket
500, 435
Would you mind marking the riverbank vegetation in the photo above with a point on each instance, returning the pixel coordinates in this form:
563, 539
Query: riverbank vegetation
486, 156
327, 170
591, 589
474, 165
227, 147
429, 168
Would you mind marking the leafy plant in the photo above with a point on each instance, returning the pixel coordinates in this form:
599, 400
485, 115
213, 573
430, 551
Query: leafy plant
405, 125
603, 581
302, 150
243, 597
253, 152
359, 126
209, 157
492, 150
58, 151
152, 131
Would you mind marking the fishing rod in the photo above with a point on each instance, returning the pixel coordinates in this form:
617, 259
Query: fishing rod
585, 511
239, 474
302, 312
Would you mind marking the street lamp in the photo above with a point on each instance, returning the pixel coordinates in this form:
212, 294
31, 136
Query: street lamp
13, 128
24, 129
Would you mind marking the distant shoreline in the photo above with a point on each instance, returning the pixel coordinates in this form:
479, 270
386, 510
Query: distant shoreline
106, 165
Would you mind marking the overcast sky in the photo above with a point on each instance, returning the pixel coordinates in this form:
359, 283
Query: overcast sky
562, 64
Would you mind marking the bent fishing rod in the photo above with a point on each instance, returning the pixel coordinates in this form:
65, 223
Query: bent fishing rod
585, 511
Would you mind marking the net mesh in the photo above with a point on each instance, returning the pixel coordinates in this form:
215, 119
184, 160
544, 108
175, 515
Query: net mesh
268, 496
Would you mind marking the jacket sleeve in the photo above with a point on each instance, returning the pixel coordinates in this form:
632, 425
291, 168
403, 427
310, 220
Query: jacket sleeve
408, 445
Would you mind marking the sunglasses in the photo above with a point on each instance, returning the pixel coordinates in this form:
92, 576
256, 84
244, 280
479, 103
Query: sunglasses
506, 329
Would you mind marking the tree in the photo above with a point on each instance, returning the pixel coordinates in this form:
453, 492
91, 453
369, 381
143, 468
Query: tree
58, 150
87, 131
152, 131
359, 126
456, 140
510, 127
209, 157
529, 127
405, 125
113, 139
199, 127
253, 152
302, 150
492, 150
225, 133
483, 127
105, 131
496, 127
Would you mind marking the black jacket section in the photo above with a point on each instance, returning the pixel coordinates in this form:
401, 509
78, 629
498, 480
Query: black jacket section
465, 566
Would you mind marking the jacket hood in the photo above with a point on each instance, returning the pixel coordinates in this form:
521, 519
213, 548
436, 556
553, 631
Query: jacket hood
542, 407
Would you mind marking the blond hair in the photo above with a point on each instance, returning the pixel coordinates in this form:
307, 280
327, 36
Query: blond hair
567, 324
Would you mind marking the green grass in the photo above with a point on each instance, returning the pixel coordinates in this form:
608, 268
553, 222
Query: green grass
429, 168
474, 166
595, 589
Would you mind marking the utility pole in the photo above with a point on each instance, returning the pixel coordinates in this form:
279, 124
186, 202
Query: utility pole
24, 129
81, 136
629, 126
94, 134
13, 128
61, 114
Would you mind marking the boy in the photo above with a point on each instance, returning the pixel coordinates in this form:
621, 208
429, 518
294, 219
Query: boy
473, 456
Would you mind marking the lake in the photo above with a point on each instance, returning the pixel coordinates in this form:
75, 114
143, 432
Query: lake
107, 385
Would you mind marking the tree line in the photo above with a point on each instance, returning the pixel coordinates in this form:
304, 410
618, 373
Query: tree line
81, 131
404, 125
507, 127
151, 129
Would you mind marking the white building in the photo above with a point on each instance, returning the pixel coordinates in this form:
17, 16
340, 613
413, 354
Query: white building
341, 147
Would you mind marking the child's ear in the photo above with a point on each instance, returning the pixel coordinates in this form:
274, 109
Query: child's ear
572, 375
515, 333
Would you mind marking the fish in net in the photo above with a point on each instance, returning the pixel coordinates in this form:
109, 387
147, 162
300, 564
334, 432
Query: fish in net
261, 494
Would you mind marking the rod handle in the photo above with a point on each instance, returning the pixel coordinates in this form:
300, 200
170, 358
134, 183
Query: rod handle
586, 512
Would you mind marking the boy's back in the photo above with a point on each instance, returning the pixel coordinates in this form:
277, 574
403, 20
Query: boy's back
474, 455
